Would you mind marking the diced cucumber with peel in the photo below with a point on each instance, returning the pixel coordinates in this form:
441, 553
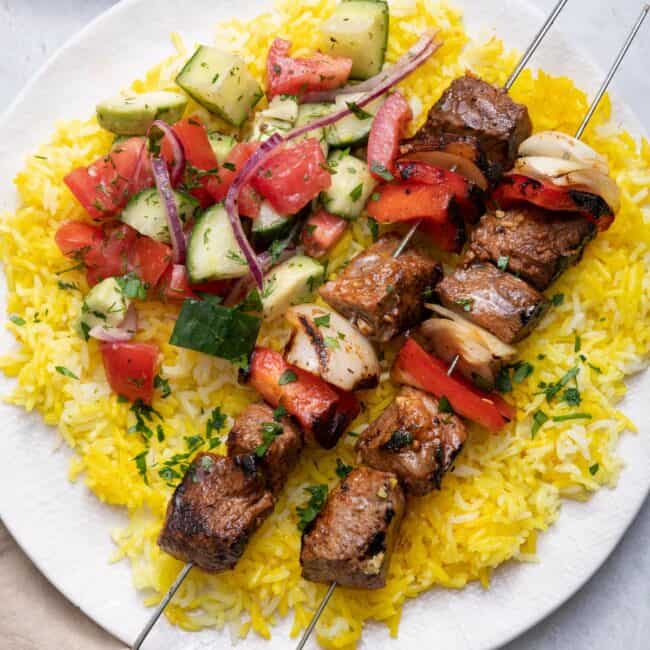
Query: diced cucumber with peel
146, 213
354, 129
280, 117
220, 82
270, 225
213, 252
290, 283
221, 144
310, 112
105, 305
134, 114
352, 185
358, 29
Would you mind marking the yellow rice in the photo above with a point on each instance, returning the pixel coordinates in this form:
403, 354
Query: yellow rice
506, 488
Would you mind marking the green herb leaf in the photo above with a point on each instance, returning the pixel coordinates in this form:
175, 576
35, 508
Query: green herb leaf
331, 342
141, 465
557, 299
381, 171
572, 397
230, 166
67, 286
539, 419
551, 390
465, 303
62, 370
17, 320
163, 384
358, 112
215, 422
322, 321
577, 344
373, 226
502, 381
287, 377
342, 470
503, 262
143, 413
160, 433
594, 468
572, 416
356, 193
309, 512
270, 431
399, 439
279, 413
444, 406
596, 369
132, 286
523, 370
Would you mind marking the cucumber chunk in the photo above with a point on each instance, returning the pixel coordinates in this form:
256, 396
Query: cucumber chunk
290, 283
352, 130
105, 305
279, 117
352, 185
358, 29
213, 252
221, 144
134, 114
220, 82
270, 225
146, 213
310, 112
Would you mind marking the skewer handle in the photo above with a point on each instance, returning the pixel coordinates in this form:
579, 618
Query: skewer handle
613, 70
161, 606
539, 37
316, 617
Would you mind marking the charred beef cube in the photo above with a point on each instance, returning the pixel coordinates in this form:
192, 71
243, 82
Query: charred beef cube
499, 302
214, 511
276, 443
323, 411
471, 106
413, 439
533, 244
352, 538
381, 295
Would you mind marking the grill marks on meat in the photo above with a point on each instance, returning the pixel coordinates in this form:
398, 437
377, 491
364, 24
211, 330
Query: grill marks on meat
473, 107
281, 456
538, 245
414, 440
219, 504
352, 538
383, 296
498, 301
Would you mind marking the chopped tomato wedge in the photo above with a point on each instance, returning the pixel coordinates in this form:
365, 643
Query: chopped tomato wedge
76, 238
199, 157
387, 130
294, 176
249, 200
467, 195
149, 259
175, 285
286, 75
522, 189
130, 369
322, 232
105, 187
111, 256
407, 201
323, 411
415, 367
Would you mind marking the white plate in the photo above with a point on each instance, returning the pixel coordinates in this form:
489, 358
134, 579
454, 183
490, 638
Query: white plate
64, 529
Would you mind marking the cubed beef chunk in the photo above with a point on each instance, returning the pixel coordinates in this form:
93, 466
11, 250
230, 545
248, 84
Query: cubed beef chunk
218, 505
532, 243
496, 300
413, 439
381, 295
276, 444
352, 538
471, 106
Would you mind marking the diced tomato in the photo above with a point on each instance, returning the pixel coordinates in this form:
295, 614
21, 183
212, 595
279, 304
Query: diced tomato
175, 285
112, 256
468, 196
294, 176
249, 199
407, 201
199, 156
522, 189
130, 369
76, 238
322, 232
104, 187
323, 411
387, 130
290, 76
415, 367
149, 259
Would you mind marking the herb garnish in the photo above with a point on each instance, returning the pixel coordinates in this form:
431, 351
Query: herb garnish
342, 469
539, 419
444, 406
373, 226
572, 397
279, 413
502, 262
577, 344
523, 369
215, 422
309, 512
143, 413
62, 370
287, 377
594, 468
162, 383
17, 320
141, 465
358, 112
356, 193
551, 390
132, 286
331, 342
270, 431
67, 286
572, 416
381, 171
400, 438
465, 303
557, 299
322, 321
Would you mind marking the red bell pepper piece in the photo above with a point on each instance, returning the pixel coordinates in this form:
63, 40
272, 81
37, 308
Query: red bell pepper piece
406, 201
323, 411
387, 130
522, 189
415, 367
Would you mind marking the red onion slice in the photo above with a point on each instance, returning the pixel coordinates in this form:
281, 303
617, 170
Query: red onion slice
402, 68
178, 152
163, 183
125, 331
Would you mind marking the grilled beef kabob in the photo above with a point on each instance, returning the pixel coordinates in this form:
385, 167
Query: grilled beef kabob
351, 540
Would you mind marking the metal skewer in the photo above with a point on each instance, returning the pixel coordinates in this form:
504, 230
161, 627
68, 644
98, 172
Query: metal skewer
411, 232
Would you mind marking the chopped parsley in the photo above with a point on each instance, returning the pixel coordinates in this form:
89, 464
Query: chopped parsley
322, 321
309, 512
215, 422
17, 320
523, 369
141, 465
279, 413
62, 370
287, 377
356, 193
358, 112
502, 381
68, 286
252, 302
465, 303
276, 248
594, 468
342, 470
162, 383
539, 419
502, 262
557, 299
400, 438
577, 344
132, 286
596, 369
551, 390
379, 170
331, 342
444, 406
270, 431
373, 226
144, 415
572, 397
572, 416
236, 257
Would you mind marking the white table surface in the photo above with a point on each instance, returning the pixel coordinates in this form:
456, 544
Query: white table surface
613, 610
